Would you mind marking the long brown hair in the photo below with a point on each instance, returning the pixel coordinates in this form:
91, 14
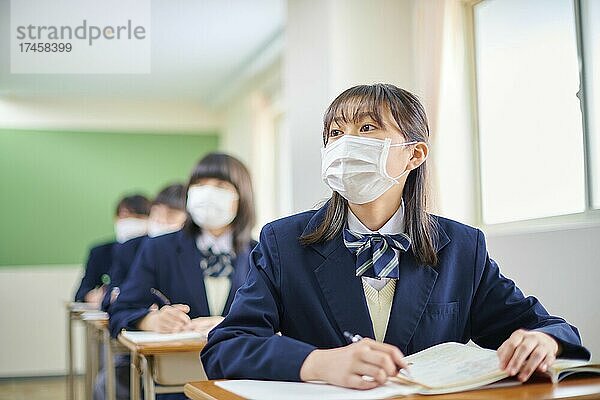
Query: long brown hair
410, 116
228, 168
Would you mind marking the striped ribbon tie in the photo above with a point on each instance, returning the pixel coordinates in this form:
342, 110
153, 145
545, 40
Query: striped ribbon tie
375, 255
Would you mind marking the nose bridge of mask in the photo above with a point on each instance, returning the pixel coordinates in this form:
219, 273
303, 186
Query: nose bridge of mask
352, 148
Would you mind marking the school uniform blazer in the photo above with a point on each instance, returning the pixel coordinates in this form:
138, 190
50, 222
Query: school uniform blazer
311, 295
123, 256
171, 264
98, 264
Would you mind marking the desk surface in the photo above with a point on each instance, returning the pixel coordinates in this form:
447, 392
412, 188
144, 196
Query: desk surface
178, 346
580, 388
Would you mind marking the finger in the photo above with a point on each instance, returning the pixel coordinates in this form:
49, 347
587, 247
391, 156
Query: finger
546, 362
535, 358
520, 355
371, 370
182, 307
507, 349
357, 382
392, 350
177, 313
381, 360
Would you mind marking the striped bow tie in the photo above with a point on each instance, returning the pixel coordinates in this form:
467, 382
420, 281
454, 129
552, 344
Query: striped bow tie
216, 264
375, 256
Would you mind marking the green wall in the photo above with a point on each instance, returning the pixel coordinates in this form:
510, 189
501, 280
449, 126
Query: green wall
58, 190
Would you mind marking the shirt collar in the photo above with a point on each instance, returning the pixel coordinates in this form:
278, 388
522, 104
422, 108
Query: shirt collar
393, 226
219, 244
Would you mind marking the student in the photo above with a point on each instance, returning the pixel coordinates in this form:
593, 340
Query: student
167, 213
130, 229
197, 269
373, 262
93, 284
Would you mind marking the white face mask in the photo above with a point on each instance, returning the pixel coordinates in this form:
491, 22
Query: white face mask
129, 228
158, 229
210, 206
355, 167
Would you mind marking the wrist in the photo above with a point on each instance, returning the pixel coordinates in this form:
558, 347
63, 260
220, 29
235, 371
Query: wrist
147, 323
310, 369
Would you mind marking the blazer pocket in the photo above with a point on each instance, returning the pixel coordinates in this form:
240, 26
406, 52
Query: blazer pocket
439, 323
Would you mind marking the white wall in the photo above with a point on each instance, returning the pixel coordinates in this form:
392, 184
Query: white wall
560, 268
34, 320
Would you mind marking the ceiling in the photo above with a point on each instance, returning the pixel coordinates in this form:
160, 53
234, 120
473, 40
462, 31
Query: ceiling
198, 49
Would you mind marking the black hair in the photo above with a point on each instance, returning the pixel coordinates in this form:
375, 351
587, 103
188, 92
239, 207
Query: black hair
172, 196
135, 204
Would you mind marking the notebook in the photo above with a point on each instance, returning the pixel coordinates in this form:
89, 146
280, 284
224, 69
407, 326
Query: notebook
153, 337
444, 368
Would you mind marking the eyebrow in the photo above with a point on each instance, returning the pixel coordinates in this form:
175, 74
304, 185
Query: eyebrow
355, 119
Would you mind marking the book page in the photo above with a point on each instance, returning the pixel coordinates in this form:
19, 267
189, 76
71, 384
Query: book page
452, 364
153, 337
274, 390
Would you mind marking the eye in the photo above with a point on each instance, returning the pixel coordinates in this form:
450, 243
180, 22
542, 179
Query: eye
367, 128
335, 133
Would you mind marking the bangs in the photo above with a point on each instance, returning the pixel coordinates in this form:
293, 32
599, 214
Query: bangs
213, 166
354, 105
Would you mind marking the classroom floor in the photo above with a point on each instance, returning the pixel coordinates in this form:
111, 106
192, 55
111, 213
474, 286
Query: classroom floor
39, 388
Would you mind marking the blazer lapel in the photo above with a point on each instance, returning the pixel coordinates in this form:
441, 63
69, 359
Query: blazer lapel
340, 286
189, 262
344, 293
413, 290
237, 278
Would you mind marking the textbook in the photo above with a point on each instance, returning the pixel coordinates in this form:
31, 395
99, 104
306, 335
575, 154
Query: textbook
444, 368
153, 337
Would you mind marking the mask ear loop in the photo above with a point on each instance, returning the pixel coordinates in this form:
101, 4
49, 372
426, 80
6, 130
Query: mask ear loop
408, 170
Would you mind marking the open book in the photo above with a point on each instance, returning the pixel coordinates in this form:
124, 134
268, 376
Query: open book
444, 368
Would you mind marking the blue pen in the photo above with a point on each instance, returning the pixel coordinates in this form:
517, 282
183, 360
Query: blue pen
353, 338
158, 294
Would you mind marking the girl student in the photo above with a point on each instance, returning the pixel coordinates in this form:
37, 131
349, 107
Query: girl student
373, 262
186, 280
167, 213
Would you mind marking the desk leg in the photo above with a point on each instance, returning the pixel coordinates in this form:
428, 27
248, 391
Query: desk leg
70, 372
109, 363
147, 378
89, 380
134, 377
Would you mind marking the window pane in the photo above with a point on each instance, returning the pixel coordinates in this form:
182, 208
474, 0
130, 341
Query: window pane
591, 43
530, 132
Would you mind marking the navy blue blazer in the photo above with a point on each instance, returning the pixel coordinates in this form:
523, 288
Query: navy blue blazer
311, 295
98, 264
123, 256
171, 264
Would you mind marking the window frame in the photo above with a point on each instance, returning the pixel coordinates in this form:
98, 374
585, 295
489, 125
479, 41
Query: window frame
590, 217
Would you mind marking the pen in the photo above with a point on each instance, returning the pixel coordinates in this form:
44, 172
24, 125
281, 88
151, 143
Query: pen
158, 294
353, 338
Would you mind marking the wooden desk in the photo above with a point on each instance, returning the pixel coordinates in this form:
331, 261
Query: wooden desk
575, 388
140, 365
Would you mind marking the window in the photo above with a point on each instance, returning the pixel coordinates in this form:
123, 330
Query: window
590, 24
535, 156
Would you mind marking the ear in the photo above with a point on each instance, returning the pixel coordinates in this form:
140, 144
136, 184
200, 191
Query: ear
420, 153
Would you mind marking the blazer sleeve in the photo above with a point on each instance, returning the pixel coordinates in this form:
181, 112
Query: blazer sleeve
499, 308
92, 274
245, 344
135, 298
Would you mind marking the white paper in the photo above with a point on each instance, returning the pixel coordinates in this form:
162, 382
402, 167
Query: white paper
277, 390
94, 316
153, 337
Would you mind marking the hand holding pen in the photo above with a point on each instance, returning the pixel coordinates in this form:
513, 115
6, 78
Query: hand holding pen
170, 318
346, 366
